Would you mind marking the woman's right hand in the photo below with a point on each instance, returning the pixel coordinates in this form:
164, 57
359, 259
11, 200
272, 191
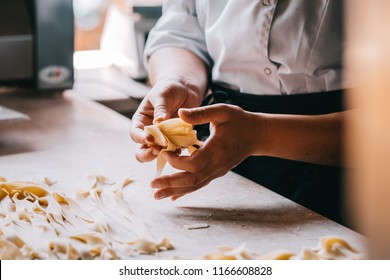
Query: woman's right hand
161, 103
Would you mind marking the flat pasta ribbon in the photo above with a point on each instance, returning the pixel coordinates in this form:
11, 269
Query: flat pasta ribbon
328, 248
171, 135
332, 248
38, 223
241, 253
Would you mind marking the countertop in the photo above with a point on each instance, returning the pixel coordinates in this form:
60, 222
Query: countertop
69, 138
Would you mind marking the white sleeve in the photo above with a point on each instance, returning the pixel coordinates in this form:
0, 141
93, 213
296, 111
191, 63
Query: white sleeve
178, 27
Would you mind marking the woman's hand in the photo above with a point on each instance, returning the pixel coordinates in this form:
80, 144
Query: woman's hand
233, 136
161, 103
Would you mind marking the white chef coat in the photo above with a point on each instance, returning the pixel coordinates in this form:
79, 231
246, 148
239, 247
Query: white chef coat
269, 47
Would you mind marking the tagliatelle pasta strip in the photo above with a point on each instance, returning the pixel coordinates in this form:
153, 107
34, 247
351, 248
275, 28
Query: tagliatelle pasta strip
329, 248
38, 223
332, 248
241, 253
171, 135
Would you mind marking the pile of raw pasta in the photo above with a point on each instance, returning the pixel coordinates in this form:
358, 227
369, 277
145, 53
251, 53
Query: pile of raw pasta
328, 248
39, 223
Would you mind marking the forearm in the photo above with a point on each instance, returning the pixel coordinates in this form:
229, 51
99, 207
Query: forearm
314, 139
179, 64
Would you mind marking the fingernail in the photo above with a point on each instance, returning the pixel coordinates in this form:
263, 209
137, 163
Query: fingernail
184, 111
160, 117
149, 139
155, 152
155, 184
160, 195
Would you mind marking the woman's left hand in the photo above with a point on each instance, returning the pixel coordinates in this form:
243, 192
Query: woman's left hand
234, 133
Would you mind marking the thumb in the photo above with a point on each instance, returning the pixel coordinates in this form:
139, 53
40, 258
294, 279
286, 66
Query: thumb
161, 106
202, 115
161, 113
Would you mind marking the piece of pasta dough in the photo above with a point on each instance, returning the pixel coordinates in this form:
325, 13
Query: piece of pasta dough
329, 248
241, 253
172, 135
39, 223
332, 248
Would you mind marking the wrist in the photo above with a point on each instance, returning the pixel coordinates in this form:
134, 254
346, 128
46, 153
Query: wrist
190, 85
180, 66
259, 145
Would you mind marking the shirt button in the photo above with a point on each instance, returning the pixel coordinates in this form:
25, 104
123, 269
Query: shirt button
267, 71
265, 2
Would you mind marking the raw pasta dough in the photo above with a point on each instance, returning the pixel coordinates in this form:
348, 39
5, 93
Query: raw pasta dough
241, 253
332, 248
171, 135
329, 248
38, 223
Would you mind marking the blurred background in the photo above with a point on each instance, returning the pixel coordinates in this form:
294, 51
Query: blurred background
367, 59
110, 36
90, 16
93, 46
117, 29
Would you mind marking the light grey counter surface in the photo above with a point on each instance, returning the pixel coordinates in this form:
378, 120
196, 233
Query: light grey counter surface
69, 138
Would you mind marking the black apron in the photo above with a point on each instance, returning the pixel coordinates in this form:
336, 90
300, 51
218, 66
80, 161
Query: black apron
317, 187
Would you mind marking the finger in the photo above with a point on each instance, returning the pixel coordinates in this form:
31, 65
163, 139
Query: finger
178, 192
176, 197
204, 114
180, 180
140, 119
145, 153
140, 136
190, 164
160, 114
161, 107
201, 159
